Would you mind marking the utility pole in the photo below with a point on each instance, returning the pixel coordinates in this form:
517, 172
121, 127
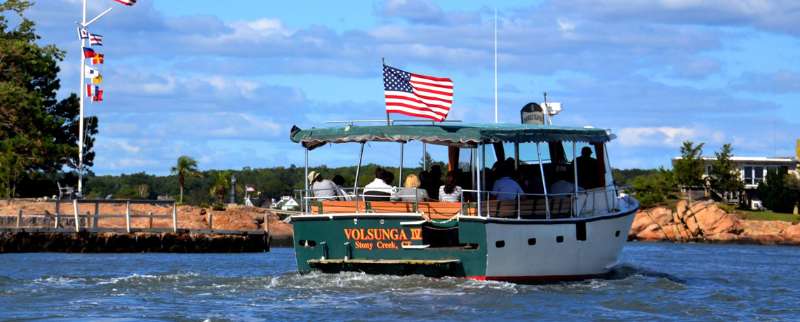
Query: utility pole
81, 93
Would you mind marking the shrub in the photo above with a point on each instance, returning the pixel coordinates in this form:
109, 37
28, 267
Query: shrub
654, 188
779, 191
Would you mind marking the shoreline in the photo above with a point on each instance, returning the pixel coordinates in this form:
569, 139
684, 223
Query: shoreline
705, 222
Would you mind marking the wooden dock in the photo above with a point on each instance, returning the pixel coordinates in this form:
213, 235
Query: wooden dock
86, 232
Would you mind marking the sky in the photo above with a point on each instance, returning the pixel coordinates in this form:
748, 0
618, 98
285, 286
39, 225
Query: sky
224, 81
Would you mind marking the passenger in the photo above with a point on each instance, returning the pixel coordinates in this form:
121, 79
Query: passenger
450, 191
411, 191
323, 189
587, 169
433, 181
338, 180
380, 186
562, 186
505, 188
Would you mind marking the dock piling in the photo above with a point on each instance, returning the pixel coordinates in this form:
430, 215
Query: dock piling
19, 219
96, 215
58, 214
75, 212
174, 217
128, 216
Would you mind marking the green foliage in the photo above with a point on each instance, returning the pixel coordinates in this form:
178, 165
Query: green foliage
724, 176
779, 192
624, 177
653, 188
38, 133
186, 167
689, 168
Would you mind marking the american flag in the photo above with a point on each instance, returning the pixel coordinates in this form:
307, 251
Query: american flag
417, 95
127, 2
95, 39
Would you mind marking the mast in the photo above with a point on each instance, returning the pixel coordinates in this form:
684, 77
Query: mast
495, 66
81, 94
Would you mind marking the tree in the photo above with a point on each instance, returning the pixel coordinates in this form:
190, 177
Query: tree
779, 191
186, 167
724, 176
689, 168
38, 133
220, 186
653, 188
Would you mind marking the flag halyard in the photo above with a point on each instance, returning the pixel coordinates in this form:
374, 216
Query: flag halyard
417, 95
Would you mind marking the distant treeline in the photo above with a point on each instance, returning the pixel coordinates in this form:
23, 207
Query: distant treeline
270, 182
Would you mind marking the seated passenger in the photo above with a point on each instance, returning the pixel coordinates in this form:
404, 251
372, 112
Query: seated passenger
505, 188
450, 191
432, 180
411, 191
323, 189
380, 186
563, 185
338, 180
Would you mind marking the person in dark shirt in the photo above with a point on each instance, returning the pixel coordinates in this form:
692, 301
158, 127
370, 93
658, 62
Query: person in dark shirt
587, 169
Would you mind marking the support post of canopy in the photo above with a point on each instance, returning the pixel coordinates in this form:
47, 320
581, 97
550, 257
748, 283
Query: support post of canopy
575, 179
516, 156
481, 171
400, 176
358, 169
611, 182
424, 156
544, 182
305, 185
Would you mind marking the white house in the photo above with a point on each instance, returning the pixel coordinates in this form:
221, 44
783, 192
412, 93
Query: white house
753, 170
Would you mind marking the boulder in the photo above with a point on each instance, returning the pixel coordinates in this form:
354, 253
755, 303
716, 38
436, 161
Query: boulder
647, 217
705, 219
791, 234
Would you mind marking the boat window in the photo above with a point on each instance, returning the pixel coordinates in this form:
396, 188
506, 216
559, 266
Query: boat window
559, 239
500, 244
531, 241
616, 234
580, 230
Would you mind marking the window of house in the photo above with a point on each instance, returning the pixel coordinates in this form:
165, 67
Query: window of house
748, 175
758, 176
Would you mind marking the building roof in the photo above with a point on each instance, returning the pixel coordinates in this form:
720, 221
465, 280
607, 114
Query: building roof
448, 134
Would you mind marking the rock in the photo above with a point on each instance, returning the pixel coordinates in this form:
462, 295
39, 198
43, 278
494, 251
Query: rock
647, 217
705, 219
791, 234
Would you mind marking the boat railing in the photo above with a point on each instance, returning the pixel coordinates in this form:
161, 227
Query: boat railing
489, 204
584, 203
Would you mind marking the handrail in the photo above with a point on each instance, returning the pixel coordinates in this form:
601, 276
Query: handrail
585, 203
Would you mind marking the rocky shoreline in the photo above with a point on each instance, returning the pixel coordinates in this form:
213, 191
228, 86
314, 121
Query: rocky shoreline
704, 221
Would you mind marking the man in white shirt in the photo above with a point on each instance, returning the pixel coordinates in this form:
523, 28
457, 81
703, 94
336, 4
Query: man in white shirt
380, 186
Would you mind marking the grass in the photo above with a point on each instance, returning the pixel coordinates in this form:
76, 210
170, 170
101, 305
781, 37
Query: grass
766, 215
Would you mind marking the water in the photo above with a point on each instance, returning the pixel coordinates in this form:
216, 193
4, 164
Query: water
655, 282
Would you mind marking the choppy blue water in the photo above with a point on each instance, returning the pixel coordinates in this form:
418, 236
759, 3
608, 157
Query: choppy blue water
654, 282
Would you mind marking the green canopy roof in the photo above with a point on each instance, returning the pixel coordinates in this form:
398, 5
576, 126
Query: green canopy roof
448, 134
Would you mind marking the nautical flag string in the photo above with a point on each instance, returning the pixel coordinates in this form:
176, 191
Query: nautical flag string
82, 33
98, 59
88, 52
417, 95
127, 2
95, 39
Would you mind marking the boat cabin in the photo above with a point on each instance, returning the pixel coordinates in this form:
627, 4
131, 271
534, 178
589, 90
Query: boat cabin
518, 172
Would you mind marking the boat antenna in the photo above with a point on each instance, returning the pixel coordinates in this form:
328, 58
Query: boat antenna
495, 67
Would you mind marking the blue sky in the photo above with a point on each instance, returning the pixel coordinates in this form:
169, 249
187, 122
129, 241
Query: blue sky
224, 81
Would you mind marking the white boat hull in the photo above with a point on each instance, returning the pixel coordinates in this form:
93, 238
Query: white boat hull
557, 252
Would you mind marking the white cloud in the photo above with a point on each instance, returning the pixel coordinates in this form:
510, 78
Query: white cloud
655, 136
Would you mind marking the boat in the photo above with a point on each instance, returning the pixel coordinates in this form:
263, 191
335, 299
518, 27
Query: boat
531, 236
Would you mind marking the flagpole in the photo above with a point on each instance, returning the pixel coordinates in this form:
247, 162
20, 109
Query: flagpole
383, 65
81, 94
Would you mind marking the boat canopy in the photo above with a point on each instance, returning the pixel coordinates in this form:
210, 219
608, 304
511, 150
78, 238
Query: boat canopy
460, 135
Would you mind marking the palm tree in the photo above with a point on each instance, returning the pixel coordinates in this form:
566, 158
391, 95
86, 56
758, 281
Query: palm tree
186, 167
220, 185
